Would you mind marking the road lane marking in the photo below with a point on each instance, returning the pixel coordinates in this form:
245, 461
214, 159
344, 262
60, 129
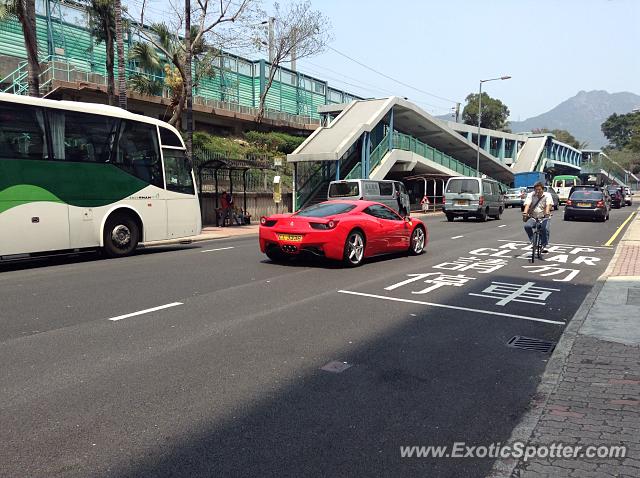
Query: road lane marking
218, 249
466, 309
558, 244
619, 230
504, 225
456, 237
146, 311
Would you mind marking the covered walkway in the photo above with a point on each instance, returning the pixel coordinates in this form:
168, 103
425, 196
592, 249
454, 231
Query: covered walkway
375, 138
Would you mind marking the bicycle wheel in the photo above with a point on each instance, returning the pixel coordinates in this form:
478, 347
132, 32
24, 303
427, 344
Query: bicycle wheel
534, 244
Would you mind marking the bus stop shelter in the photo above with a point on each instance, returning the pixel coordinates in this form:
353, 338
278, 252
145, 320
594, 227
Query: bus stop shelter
227, 174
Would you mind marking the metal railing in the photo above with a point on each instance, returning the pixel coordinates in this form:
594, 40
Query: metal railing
57, 68
324, 173
409, 143
356, 172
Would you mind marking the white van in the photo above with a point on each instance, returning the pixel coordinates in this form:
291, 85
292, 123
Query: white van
387, 192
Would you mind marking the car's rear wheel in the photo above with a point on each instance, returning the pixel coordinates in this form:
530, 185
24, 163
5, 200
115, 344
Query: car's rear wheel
354, 249
567, 218
450, 217
418, 239
275, 254
497, 216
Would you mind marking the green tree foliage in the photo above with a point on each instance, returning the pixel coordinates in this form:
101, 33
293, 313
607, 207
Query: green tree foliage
494, 112
274, 141
563, 136
258, 143
623, 131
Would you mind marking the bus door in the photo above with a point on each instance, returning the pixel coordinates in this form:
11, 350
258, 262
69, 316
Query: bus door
183, 209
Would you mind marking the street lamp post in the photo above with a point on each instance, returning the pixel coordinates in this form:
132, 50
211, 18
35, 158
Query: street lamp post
480, 119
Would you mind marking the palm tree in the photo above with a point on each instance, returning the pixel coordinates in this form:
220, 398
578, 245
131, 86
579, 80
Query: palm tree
102, 24
146, 81
25, 12
172, 64
122, 81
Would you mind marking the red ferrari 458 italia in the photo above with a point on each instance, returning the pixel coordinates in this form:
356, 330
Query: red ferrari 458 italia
349, 231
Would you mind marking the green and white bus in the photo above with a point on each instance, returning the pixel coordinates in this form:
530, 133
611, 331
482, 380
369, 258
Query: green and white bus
80, 175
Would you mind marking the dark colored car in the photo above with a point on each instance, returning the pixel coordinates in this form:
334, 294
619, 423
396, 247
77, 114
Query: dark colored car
617, 200
547, 189
585, 187
587, 204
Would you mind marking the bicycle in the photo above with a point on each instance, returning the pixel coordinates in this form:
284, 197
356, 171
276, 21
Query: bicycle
536, 243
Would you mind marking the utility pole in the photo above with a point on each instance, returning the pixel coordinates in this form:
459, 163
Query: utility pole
122, 79
272, 53
188, 82
457, 111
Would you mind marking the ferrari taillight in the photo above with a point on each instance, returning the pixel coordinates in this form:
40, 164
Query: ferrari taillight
324, 226
267, 222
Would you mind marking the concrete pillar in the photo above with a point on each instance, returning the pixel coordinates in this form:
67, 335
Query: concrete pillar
390, 131
470, 136
502, 149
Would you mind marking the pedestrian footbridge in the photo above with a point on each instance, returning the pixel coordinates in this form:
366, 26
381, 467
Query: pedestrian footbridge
384, 138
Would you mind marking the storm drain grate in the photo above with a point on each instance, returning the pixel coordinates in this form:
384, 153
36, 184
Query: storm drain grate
530, 343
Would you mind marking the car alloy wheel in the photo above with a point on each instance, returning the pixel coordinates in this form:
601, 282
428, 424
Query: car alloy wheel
417, 241
354, 249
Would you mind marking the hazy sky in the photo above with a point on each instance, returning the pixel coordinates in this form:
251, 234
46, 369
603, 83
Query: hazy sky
551, 48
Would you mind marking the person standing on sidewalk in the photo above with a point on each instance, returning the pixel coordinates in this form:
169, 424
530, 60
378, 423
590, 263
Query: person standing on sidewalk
226, 203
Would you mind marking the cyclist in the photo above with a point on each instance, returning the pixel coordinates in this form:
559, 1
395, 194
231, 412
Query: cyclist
538, 205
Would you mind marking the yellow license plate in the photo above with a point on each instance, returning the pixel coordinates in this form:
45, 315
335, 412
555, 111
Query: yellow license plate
584, 204
290, 237
461, 202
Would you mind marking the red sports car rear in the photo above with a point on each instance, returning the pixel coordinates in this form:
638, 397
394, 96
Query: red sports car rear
349, 231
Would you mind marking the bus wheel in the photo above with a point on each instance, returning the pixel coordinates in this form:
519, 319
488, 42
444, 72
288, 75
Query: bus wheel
121, 235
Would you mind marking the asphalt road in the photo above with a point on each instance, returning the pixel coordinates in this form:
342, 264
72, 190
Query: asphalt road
226, 380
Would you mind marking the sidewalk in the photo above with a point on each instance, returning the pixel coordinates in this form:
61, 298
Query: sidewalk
209, 233
590, 392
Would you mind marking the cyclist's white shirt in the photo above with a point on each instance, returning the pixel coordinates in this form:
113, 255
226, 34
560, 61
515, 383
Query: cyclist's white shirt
541, 207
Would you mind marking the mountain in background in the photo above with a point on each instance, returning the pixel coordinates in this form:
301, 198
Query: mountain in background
582, 115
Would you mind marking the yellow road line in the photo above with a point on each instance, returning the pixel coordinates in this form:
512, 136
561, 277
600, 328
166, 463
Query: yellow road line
619, 230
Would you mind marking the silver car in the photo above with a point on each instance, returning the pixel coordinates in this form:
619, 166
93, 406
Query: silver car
388, 192
515, 197
467, 196
628, 196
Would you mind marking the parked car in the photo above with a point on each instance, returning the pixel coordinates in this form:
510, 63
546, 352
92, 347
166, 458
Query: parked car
628, 196
467, 196
617, 200
390, 193
547, 189
589, 204
515, 197
348, 231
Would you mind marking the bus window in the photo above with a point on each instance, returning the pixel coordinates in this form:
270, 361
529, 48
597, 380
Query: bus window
138, 152
81, 137
22, 132
558, 183
177, 171
569, 183
169, 138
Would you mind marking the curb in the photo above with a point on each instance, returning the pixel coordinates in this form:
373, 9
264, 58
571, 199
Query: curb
504, 467
192, 240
